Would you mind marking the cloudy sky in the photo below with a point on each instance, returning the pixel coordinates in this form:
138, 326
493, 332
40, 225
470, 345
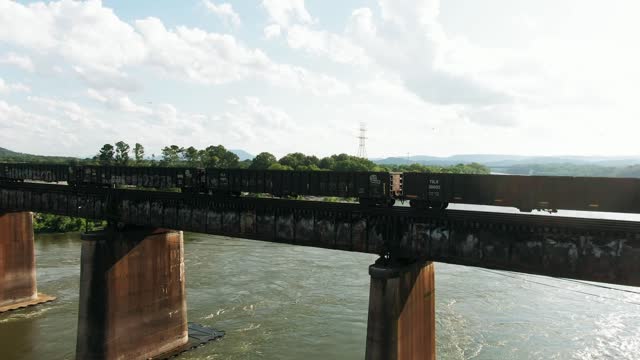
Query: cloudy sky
428, 77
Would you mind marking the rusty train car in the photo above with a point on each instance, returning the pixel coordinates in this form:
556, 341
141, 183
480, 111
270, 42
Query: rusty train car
422, 190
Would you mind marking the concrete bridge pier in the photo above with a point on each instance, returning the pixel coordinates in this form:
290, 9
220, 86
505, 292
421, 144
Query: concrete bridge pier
132, 294
401, 324
18, 262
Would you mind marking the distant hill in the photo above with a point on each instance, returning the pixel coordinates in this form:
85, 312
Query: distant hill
12, 156
243, 155
503, 161
7, 153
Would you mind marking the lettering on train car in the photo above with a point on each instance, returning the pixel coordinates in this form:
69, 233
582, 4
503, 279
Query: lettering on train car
433, 189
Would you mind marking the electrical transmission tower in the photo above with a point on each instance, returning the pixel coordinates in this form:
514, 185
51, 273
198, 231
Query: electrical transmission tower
362, 150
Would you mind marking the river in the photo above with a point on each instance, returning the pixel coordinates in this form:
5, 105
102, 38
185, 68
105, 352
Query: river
288, 302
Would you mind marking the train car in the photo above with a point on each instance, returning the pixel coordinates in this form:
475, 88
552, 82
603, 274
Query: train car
370, 188
527, 193
36, 172
375, 189
152, 177
426, 190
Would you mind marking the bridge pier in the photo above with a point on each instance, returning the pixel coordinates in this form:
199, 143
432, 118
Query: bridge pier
401, 324
18, 262
132, 294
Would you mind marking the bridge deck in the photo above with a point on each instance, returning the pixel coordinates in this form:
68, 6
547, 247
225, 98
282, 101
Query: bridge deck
588, 249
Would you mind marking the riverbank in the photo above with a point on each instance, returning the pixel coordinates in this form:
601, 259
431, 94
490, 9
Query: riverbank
48, 223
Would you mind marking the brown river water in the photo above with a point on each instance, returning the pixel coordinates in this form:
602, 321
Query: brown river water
287, 302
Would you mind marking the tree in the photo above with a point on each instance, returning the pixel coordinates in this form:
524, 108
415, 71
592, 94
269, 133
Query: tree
344, 162
192, 155
327, 163
278, 166
350, 165
298, 160
138, 152
171, 154
122, 153
263, 161
244, 164
218, 157
105, 155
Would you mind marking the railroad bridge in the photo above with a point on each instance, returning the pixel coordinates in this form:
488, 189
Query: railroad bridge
132, 294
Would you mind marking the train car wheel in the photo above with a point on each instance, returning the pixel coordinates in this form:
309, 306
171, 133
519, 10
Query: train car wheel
418, 204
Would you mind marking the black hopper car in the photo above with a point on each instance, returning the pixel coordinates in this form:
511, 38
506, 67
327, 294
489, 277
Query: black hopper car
527, 193
422, 190
371, 188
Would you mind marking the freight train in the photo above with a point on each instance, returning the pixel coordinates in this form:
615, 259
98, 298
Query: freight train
422, 190
371, 188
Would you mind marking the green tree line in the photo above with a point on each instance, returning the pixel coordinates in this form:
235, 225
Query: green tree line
219, 157
47, 223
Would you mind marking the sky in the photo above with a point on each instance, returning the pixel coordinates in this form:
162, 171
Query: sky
427, 77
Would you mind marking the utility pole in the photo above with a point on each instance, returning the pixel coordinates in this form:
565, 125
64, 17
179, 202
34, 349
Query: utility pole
362, 150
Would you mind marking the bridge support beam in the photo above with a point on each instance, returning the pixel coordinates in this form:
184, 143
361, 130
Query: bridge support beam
132, 294
18, 263
401, 324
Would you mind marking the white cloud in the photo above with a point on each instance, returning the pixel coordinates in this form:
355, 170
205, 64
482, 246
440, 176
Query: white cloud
105, 79
405, 44
324, 43
287, 12
211, 58
72, 112
21, 61
101, 48
249, 119
272, 31
293, 18
83, 33
224, 11
410, 14
26, 131
6, 87
116, 100
407, 41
